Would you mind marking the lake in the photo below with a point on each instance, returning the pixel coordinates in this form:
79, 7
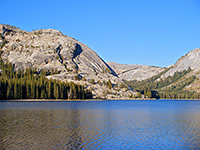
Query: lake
120, 124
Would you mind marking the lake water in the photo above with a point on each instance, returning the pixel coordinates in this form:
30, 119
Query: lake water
92, 125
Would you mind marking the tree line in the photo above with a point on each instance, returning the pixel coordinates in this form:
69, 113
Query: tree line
32, 84
167, 88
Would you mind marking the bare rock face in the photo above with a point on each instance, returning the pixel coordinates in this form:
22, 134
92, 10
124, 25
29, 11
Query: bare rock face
135, 72
190, 60
51, 50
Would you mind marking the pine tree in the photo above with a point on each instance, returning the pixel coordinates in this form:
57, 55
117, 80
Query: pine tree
29, 83
109, 84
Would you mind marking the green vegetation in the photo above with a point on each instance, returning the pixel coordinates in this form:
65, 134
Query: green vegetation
3, 42
92, 81
168, 88
30, 84
76, 77
107, 70
109, 84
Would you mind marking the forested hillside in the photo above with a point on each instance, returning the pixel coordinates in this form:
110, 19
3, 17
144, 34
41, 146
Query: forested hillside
170, 88
31, 84
73, 61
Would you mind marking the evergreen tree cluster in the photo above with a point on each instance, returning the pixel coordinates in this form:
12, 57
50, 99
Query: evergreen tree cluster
108, 84
154, 88
30, 84
152, 82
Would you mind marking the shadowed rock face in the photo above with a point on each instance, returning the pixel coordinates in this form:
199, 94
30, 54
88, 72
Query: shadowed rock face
51, 50
135, 72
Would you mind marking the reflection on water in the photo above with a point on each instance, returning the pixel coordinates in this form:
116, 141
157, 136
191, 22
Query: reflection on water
100, 125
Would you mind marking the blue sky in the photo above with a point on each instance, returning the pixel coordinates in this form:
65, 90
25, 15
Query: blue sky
149, 32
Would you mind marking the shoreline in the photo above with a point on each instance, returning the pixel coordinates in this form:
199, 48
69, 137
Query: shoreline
50, 100
82, 100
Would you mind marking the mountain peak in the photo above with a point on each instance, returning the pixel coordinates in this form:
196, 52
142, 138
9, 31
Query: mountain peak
48, 31
190, 60
49, 49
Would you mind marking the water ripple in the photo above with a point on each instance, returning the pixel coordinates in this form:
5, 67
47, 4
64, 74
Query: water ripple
125, 125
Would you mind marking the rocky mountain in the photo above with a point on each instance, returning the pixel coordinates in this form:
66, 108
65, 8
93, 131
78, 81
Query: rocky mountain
185, 73
181, 80
72, 60
135, 72
189, 61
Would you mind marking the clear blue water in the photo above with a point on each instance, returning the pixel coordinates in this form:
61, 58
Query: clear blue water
138, 125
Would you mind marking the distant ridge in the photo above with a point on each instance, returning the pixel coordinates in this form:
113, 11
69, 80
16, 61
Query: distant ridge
135, 72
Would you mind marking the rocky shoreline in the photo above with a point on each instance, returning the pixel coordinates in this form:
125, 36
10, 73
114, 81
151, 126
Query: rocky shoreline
72, 100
